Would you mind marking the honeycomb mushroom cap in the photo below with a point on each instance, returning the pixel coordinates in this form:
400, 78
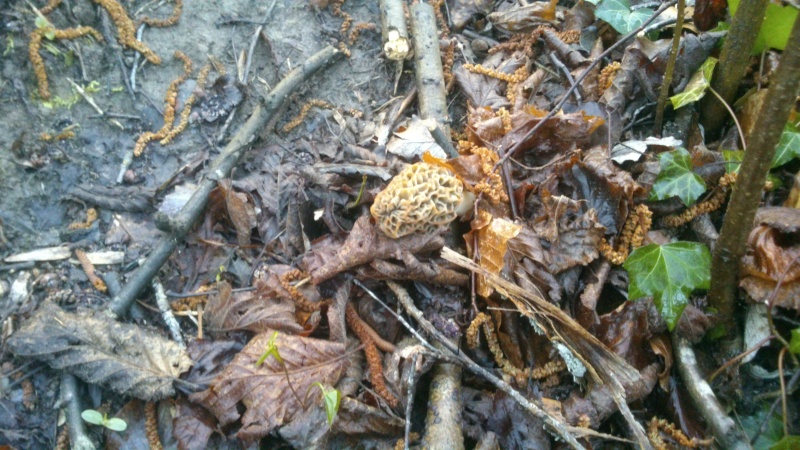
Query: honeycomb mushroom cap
421, 198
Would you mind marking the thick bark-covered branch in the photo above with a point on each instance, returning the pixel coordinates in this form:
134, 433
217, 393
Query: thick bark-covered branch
750, 182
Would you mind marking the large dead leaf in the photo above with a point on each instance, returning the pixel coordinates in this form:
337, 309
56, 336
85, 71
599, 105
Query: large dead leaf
523, 16
265, 390
365, 243
484, 91
192, 426
560, 134
492, 235
99, 350
255, 311
571, 237
414, 139
607, 188
772, 253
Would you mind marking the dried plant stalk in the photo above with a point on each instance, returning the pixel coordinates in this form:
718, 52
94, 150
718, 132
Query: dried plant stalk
294, 123
373, 357
125, 30
169, 21
202, 77
88, 268
170, 100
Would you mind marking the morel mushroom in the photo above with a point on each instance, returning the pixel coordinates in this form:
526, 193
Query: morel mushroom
421, 198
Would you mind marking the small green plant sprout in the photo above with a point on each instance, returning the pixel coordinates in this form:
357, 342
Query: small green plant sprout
220, 271
332, 398
272, 350
96, 418
669, 273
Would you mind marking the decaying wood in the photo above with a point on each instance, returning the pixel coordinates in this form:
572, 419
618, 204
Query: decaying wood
725, 430
396, 44
220, 169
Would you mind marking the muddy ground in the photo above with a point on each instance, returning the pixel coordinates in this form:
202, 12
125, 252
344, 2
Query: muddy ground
37, 176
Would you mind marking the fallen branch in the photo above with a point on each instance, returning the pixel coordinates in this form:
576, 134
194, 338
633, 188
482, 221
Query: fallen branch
221, 168
394, 31
77, 432
726, 432
443, 421
431, 90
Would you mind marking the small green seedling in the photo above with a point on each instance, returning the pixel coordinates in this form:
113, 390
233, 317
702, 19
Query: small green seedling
332, 398
272, 349
97, 418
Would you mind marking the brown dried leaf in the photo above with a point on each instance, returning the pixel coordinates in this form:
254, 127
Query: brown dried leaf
240, 211
520, 17
484, 91
573, 237
772, 251
492, 239
607, 188
192, 426
662, 347
330, 256
267, 390
414, 140
560, 134
99, 350
256, 311
356, 418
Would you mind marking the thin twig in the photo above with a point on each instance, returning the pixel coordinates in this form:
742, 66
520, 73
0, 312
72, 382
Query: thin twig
673, 56
166, 313
254, 41
733, 115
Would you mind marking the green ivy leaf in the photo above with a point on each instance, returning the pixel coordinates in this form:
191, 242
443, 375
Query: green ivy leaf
116, 424
92, 416
677, 178
733, 158
668, 273
789, 146
618, 14
794, 344
775, 29
696, 88
790, 442
769, 437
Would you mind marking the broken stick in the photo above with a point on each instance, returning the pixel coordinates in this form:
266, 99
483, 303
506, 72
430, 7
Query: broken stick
431, 90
